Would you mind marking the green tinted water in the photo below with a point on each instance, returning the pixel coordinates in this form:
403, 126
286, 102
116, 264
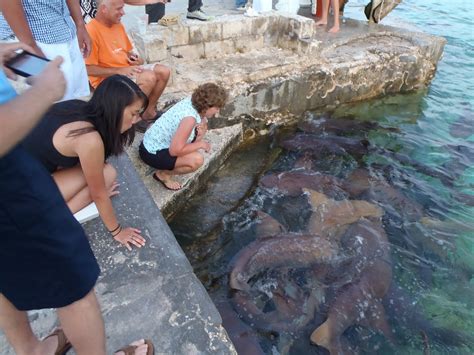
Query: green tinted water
433, 262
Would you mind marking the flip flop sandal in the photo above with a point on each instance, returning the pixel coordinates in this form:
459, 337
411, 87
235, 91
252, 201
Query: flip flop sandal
130, 349
63, 343
168, 20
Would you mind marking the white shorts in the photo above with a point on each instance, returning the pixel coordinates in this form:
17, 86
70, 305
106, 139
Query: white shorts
73, 67
146, 66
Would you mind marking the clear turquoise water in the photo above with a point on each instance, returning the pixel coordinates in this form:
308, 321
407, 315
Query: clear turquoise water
434, 266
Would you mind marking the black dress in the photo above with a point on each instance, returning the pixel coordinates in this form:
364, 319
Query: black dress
39, 143
45, 257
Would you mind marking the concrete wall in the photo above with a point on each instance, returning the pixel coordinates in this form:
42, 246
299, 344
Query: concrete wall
284, 64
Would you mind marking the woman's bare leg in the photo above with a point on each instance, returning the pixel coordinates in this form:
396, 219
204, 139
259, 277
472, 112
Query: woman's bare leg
73, 185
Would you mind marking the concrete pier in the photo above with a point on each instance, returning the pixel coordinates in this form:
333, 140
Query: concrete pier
274, 66
277, 66
275, 63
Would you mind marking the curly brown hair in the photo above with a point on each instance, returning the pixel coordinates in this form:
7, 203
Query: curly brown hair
208, 95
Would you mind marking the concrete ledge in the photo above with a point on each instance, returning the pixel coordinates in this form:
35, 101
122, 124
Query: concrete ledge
304, 69
225, 31
223, 141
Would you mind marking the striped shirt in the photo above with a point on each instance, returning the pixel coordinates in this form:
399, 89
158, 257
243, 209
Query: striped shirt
49, 20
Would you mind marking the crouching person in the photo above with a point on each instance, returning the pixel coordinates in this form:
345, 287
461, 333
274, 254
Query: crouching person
171, 145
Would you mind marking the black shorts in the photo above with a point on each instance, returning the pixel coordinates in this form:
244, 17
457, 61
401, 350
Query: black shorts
161, 160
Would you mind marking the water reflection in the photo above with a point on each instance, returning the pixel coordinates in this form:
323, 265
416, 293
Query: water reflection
418, 168
348, 241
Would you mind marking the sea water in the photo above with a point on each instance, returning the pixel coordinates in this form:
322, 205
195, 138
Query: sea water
432, 258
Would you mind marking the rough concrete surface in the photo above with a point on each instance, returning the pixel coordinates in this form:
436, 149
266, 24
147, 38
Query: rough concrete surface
222, 142
283, 63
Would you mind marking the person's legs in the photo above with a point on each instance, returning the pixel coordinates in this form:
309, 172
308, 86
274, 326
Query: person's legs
195, 12
83, 325
81, 321
73, 186
240, 3
17, 329
184, 165
324, 17
194, 5
335, 10
155, 12
153, 83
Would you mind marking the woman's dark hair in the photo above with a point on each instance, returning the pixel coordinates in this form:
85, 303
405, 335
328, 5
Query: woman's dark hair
105, 111
208, 95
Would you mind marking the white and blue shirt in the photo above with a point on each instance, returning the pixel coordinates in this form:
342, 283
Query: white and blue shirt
49, 20
160, 134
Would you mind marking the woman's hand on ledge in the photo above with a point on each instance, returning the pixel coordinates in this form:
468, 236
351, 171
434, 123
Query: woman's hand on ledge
113, 189
130, 236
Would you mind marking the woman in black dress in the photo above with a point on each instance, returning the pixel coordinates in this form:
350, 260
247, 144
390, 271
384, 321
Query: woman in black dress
74, 140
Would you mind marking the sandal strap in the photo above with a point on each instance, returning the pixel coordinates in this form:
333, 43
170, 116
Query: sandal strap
130, 349
127, 350
63, 343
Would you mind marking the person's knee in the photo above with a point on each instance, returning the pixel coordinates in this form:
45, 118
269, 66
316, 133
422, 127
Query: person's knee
197, 161
110, 174
148, 78
162, 73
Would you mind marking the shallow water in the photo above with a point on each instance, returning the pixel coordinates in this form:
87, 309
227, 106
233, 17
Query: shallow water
423, 150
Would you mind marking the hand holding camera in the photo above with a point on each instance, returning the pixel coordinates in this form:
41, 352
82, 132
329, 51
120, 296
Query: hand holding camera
41, 72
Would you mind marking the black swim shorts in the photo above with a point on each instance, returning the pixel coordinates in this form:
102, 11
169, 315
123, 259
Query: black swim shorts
161, 160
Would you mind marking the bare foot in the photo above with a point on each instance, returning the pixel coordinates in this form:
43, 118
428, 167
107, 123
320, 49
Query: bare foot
321, 22
334, 29
166, 181
140, 348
